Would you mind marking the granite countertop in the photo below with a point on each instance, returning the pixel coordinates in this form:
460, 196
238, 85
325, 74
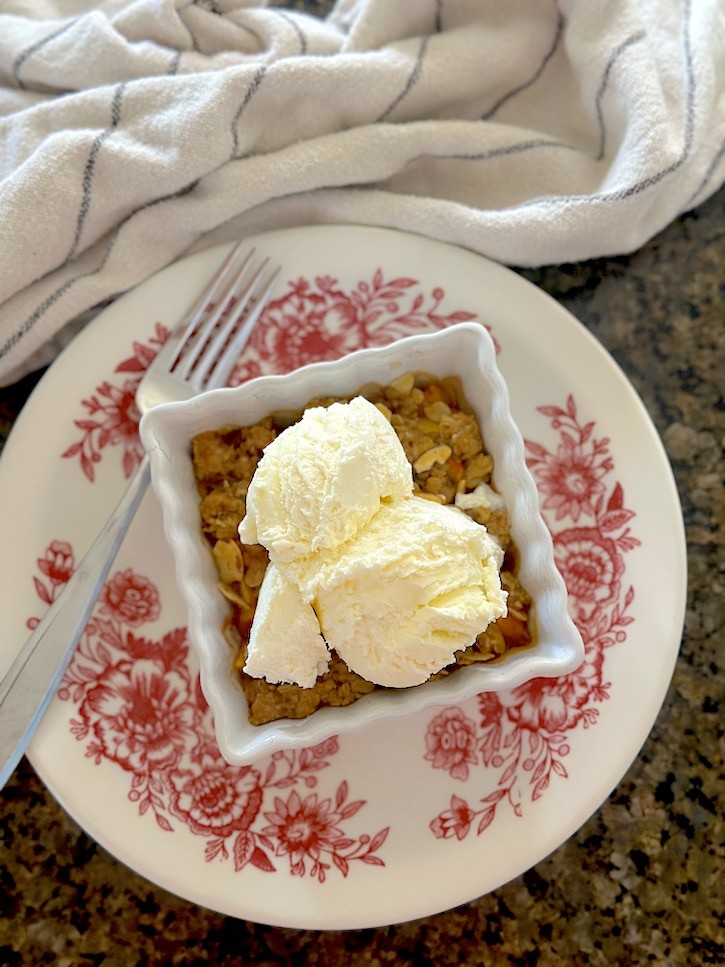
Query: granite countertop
637, 883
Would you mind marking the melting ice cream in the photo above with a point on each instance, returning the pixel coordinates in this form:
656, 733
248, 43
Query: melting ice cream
394, 583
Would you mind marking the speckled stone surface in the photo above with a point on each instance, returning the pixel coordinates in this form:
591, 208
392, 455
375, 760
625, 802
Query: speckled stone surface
639, 882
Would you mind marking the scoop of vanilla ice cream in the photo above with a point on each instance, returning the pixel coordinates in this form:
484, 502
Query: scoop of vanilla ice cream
419, 582
285, 644
323, 479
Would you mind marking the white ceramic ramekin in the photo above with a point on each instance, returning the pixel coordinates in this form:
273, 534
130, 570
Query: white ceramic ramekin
465, 350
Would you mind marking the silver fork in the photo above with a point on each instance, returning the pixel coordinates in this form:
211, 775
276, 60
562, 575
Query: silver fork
198, 355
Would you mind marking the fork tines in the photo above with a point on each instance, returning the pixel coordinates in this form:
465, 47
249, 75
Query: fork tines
222, 320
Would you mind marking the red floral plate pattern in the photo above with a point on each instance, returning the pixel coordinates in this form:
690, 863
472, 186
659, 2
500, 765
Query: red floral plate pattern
331, 837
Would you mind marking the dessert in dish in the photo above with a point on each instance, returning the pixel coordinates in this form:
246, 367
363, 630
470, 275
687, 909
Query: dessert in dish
373, 581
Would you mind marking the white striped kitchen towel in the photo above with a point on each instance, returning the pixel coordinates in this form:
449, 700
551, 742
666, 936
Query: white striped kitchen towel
532, 131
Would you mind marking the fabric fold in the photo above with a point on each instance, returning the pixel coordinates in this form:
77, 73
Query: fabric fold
134, 131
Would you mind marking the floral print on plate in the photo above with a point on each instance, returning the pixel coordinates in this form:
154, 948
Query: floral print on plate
137, 704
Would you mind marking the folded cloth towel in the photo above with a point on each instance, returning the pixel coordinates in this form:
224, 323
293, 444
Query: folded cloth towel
532, 131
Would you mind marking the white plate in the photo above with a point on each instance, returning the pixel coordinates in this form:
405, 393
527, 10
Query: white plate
400, 820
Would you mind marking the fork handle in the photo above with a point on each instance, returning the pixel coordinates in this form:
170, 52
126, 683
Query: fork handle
31, 681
